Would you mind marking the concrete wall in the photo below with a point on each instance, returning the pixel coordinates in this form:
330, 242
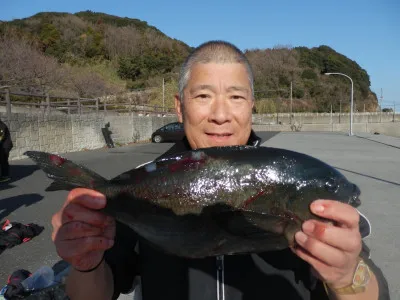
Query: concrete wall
63, 133
66, 133
129, 128
391, 129
325, 118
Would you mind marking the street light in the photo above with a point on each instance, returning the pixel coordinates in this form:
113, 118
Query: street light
351, 102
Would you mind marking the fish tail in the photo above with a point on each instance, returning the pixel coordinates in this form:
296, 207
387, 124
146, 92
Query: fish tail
65, 173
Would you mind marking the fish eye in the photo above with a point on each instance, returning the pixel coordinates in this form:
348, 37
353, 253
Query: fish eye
331, 185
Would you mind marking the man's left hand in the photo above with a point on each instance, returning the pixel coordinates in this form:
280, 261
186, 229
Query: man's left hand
331, 249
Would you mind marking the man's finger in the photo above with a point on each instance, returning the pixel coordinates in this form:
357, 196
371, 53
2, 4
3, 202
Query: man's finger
76, 230
86, 197
109, 230
318, 265
56, 220
87, 261
345, 239
324, 253
75, 212
342, 213
71, 249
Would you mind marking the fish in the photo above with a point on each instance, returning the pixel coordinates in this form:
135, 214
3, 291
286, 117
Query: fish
212, 201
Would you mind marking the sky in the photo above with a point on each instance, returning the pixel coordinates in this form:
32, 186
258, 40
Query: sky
366, 31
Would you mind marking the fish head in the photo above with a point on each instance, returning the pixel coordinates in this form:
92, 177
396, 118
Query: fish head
339, 188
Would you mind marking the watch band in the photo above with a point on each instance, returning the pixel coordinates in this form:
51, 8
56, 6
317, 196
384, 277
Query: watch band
349, 290
361, 278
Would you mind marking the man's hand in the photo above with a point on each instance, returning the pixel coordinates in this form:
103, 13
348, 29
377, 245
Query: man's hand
331, 249
80, 233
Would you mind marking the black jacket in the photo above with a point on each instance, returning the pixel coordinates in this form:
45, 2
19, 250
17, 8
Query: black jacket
270, 275
5, 137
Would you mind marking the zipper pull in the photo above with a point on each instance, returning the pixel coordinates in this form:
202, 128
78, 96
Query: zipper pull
220, 262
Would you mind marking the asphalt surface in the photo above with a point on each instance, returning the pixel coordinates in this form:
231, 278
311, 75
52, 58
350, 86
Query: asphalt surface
372, 162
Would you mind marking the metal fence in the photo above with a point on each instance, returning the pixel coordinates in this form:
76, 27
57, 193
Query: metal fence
49, 104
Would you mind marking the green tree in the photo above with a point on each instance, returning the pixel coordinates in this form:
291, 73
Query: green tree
309, 74
49, 35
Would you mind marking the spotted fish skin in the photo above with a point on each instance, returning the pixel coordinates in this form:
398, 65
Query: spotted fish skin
212, 201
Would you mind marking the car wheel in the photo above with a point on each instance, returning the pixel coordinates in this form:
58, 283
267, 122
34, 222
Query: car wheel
157, 139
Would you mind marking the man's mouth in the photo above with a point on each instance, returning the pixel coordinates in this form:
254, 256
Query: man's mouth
218, 138
219, 135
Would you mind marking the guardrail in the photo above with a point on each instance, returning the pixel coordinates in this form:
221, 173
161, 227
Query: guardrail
47, 104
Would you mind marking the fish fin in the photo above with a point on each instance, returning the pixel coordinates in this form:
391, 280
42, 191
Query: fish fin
65, 173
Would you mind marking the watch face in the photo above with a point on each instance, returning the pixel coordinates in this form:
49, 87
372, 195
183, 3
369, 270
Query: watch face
362, 275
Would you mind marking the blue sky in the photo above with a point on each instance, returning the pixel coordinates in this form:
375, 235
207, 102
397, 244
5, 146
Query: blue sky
366, 31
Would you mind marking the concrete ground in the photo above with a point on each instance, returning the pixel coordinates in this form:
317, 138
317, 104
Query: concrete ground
370, 161
373, 163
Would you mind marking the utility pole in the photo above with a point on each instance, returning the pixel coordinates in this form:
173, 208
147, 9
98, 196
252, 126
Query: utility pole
351, 100
340, 109
394, 111
163, 95
291, 101
380, 106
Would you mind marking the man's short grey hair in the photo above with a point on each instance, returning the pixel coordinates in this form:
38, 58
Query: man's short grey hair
214, 52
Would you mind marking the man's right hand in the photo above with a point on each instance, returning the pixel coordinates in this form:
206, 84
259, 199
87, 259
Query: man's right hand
81, 234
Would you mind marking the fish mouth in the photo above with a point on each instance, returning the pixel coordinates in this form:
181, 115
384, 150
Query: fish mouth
355, 198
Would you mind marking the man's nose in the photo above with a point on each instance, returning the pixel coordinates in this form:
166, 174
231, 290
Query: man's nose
221, 112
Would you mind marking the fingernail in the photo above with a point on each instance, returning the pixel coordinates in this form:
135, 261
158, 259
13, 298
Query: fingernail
308, 226
99, 200
318, 208
301, 237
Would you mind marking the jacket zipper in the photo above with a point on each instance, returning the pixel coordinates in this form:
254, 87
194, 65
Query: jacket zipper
220, 278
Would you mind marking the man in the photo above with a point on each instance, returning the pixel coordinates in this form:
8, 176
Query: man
215, 104
5, 148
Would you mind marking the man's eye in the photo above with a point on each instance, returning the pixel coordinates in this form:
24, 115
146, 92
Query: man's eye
237, 97
203, 96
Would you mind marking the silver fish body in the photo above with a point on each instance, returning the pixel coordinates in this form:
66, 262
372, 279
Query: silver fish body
214, 201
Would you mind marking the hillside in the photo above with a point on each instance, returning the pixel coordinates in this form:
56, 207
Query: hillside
90, 54
276, 68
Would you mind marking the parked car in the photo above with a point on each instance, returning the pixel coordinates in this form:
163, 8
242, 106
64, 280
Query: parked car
171, 132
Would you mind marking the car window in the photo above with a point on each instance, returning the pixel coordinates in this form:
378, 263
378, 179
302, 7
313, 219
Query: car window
178, 126
169, 127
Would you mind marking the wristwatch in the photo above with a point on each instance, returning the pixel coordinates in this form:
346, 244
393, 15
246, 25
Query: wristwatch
361, 278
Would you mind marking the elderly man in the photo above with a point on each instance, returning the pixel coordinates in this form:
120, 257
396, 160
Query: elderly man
215, 104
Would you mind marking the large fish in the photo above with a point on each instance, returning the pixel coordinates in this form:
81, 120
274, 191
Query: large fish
212, 201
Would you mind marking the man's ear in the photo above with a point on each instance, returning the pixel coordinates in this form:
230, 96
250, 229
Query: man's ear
179, 108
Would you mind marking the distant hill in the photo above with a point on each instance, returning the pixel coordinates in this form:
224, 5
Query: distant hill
276, 68
92, 54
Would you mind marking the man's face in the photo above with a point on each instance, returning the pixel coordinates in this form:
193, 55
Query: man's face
217, 105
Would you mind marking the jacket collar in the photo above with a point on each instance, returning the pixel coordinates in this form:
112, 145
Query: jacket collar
183, 145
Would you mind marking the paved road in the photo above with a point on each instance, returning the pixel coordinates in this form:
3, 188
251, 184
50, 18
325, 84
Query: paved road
369, 161
373, 163
24, 200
